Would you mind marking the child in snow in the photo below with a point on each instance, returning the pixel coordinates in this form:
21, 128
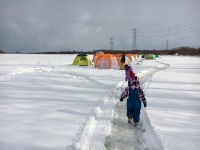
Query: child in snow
135, 97
129, 73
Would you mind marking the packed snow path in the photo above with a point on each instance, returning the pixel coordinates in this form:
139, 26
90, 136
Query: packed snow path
127, 136
122, 135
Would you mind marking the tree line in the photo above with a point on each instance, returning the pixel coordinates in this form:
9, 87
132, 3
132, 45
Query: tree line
175, 51
1, 52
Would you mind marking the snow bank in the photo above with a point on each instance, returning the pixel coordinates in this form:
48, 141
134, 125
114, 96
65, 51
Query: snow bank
97, 125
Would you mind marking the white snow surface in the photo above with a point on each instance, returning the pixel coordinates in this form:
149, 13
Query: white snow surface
46, 103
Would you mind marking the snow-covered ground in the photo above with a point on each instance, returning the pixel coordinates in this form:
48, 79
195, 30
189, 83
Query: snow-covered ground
48, 104
174, 103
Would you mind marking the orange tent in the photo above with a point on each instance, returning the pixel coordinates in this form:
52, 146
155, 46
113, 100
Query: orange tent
107, 61
95, 56
135, 56
128, 59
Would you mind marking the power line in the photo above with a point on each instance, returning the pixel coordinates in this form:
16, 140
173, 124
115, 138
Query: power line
188, 23
186, 37
178, 32
172, 38
185, 31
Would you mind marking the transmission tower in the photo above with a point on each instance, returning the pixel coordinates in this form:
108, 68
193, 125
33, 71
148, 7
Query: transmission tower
134, 46
111, 43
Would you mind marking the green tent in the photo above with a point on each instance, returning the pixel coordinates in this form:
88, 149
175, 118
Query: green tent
82, 60
150, 56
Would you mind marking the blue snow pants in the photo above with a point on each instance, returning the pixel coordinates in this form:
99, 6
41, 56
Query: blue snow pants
134, 105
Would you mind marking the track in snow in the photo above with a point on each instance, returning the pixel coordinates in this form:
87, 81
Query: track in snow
106, 127
127, 136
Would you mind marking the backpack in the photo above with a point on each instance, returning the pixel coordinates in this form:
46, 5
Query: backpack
132, 74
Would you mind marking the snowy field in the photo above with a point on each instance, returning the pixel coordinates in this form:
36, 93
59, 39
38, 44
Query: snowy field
48, 104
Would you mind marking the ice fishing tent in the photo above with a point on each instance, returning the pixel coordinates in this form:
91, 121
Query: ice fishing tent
82, 60
150, 56
157, 56
128, 59
135, 56
107, 61
95, 56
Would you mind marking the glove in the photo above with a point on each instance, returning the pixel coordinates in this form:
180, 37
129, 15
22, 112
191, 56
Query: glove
145, 104
121, 99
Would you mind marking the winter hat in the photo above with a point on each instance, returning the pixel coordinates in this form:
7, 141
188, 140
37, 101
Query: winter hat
127, 67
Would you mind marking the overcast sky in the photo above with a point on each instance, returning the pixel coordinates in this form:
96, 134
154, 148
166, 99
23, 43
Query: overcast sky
60, 25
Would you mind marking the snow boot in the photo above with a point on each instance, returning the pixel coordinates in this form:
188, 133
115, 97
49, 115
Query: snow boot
129, 119
136, 124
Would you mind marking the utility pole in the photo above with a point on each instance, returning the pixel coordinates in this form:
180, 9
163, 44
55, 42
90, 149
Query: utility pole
111, 43
167, 40
134, 46
167, 45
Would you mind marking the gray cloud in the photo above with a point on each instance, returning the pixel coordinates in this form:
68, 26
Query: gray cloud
55, 25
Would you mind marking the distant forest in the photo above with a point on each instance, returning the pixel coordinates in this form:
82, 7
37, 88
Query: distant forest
175, 51
1, 52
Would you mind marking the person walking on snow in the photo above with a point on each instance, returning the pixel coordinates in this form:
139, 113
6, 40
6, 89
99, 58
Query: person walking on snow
129, 74
135, 97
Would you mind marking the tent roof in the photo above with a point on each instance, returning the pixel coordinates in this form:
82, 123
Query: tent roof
82, 54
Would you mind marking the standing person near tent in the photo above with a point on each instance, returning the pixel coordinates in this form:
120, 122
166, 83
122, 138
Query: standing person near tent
129, 74
135, 97
123, 58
